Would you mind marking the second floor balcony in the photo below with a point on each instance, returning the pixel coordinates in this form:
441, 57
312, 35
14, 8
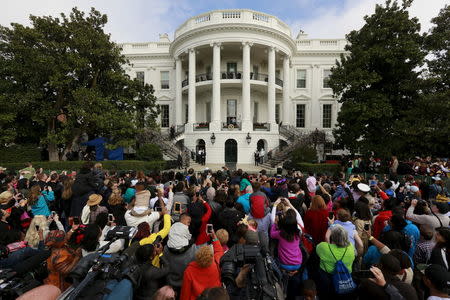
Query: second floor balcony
225, 75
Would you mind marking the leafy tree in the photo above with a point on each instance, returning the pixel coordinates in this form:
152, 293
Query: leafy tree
378, 82
304, 154
429, 124
149, 152
62, 77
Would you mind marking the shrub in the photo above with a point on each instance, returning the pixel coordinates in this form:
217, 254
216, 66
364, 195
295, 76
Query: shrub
149, 152
116, 165
304, 154
20, 153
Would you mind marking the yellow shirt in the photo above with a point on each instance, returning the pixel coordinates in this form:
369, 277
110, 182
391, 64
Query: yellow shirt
152, 237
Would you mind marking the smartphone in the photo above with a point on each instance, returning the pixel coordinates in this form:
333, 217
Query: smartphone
158, 208
363, 274
76, 221
366, 227
110, 217
177, 207
197, 194
330, 215
209, 228
53, 214
37, 227
170, 182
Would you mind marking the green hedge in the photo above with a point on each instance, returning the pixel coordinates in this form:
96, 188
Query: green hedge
20, 153
316, 168
149, 152
117, 165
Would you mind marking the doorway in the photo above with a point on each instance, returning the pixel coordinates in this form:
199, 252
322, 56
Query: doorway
231, 152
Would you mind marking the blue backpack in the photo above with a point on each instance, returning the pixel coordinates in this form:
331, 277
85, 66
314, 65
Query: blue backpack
342, 279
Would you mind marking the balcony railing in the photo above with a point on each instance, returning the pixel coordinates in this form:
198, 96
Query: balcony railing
224, 75
231, 75
226, 126
204, 126
261, 126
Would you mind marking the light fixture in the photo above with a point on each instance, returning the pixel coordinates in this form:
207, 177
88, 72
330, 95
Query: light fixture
213, 138
248, 138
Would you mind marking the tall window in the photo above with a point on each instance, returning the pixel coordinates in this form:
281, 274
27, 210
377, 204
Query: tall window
231, 67
255, 72
165, 115
140, 76
326, 116
277, 113
301, 79
300, 115
164, 80
326, 78
186, 113
231, 111
255, 112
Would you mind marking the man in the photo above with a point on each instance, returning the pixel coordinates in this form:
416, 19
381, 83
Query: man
394, 165
57, 188
437, 218
256, 154
154, 202
311, 182
262, 153
259, 207
180, 202
425, 245
386, 282
437, 279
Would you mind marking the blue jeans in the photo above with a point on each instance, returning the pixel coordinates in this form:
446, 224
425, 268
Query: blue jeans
17, 257
122, 290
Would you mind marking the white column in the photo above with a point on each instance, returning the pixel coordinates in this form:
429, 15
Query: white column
191, 92
215, 105
286, 103
246, 110
178, 95
271, 89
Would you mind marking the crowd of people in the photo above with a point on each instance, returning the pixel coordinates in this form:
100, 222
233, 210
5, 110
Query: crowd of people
222, 235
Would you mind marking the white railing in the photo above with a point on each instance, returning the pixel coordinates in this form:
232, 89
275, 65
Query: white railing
243, 16
261, 17
317, 44
329, 43
231, 15
203, 18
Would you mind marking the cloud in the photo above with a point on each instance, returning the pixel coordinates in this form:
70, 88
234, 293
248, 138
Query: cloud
133, 20
335, 21
143, 20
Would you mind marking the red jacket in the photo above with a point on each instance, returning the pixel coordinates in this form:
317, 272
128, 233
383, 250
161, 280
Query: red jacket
196, 279
316, 224
203, 236
380, 222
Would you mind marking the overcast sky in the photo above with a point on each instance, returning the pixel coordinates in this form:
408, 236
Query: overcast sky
143, 20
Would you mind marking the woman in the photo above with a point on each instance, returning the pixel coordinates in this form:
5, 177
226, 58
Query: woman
204, 272
38, 200
63, 258
38, 224
343, 219
151, 275
316, 219
289, 253
363, 221
84, 185
389, 240
90, 238
339, 248
440, 255
117, 206
66, 195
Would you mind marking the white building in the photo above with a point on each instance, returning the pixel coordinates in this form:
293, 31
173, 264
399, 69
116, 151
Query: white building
230, 78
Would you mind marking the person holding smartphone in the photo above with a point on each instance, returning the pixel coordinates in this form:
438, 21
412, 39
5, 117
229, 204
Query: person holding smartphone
40, 199
344, 219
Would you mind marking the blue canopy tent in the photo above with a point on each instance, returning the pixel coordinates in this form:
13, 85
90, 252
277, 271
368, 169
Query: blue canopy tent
101, 152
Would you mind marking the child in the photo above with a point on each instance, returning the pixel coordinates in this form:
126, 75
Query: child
309, 291
223, 237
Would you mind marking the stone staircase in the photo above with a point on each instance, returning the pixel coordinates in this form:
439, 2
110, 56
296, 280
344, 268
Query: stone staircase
278, 155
